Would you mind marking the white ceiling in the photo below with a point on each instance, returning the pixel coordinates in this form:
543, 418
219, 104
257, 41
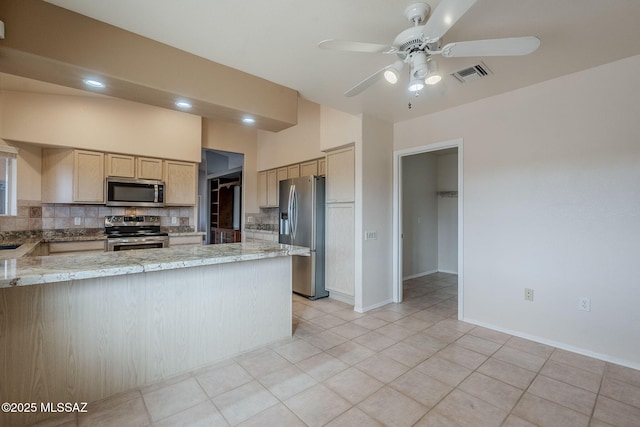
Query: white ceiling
277, 40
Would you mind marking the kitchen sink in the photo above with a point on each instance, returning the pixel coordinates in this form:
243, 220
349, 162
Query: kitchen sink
8, 247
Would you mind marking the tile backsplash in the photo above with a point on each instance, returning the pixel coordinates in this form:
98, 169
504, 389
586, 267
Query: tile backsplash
267, 219
35, 216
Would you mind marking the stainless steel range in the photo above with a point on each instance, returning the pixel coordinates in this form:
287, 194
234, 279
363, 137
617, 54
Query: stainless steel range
134, 232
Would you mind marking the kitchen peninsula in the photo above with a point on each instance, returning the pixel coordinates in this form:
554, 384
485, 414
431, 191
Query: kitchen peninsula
78, 328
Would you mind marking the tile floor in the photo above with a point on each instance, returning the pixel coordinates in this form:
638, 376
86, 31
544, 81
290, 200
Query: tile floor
409, 364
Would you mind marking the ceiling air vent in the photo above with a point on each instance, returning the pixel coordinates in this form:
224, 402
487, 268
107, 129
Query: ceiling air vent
472, 73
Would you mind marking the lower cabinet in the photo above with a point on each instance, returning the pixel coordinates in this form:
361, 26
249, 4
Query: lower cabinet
340, 248
85, 246
185, 240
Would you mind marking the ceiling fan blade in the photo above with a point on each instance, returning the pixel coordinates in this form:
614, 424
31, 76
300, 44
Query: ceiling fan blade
366, 83
444, 17
349, 46
495, 47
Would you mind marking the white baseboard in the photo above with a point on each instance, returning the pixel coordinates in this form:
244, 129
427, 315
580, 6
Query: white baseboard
560, 345
347, 299
415, 276
374, 306
448, 271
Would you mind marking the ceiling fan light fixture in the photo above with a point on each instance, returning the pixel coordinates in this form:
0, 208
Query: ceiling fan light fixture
392, 73
434, 76
416, 85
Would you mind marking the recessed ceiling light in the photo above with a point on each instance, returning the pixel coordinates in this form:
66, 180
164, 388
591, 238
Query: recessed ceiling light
248, 120
184, 105
94, 83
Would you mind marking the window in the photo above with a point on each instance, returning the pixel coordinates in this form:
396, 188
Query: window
8, 180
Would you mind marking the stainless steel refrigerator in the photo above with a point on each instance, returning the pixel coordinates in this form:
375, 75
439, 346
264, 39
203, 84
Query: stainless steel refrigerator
301, 218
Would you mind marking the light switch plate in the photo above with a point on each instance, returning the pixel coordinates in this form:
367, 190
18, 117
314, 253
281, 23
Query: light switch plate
370, 235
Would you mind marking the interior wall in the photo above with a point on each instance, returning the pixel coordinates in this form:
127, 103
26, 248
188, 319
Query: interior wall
447, 167
551, 178
419, 215
377, 164
225, 136
100, 123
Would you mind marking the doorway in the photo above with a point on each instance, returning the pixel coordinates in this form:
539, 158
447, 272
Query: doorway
427, 220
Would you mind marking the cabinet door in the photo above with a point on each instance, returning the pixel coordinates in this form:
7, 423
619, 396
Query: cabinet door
262, 189
120, 165
322, 167
147, 168
180, 183
88, 176
282, 174
272, 188
340, 248
341, 176
309, 168
293, 171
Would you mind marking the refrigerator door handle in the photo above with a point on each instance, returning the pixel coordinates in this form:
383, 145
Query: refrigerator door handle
293, 212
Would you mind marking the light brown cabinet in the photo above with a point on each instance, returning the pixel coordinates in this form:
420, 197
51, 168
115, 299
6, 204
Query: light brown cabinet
340, 248
147, 168
309, 168
272, 188
341, 175
120, 165
72, 176
262, 189
282, 174
322, 167
293, 171
180, 183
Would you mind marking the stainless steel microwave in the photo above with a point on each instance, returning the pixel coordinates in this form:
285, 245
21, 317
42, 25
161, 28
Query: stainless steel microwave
134, 192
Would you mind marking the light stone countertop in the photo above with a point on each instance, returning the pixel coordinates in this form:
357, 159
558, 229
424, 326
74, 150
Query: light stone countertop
58, 268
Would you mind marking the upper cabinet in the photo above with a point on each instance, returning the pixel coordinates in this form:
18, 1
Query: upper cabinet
269, 180
309, 168
180, 183
133, 167
72, 176
341, 175
322, 167
293, 171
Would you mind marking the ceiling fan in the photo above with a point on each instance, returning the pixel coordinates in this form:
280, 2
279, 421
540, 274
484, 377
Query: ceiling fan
417, 45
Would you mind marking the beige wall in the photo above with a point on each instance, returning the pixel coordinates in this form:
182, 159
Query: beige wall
100, 123
551, 202
224, 136
338, 128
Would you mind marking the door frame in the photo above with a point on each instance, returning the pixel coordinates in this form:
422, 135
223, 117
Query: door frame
397, 215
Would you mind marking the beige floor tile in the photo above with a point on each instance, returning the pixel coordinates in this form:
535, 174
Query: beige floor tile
352, 418
353, 384
497, 393
462, 356
388, 315
306, 312
116, 412
506, 372
489, 334
444, 370
317, 405
395, 331
564, 394
263, 363
60, 420
349, 330
427, 316
202, 415
297, 350
325, 340
621, 391
469, 411
173, 398
305, 329
322, 366
443, 333
244, 402
414, 324
513, 421
277, 416
327, 321
421, 387
406, 354
348, 314
570, 375
520, 358
330, 305
382, 368
375, 341
598, 423
479, 345
392, 408
616, 413
542, 412
223, 378
370, 322
287, 382
540, 350
579, 361
425, 343
457, 325
443, 310
622, 373
434, 419
350, 352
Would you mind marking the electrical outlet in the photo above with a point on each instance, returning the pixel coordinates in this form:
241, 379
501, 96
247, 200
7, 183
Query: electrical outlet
251, 220
584, 304
370, 235
174, 220
77, 220
528, 294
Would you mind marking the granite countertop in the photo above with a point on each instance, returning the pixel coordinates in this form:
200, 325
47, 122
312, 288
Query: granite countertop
58, 268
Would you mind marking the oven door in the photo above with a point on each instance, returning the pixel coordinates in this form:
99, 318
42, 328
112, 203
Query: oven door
131, 243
